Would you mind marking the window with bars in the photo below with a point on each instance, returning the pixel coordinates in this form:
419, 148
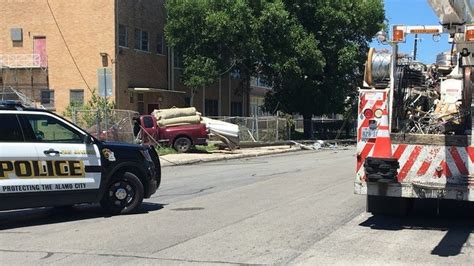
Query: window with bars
140, 103
47, 98
236, 108
160, 44
141, 40
123, 35
187, 101
76, 97
211, 107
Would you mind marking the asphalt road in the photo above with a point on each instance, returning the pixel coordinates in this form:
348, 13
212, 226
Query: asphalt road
294, 208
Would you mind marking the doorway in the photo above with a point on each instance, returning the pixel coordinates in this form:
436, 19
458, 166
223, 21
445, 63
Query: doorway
152, 107
39, 48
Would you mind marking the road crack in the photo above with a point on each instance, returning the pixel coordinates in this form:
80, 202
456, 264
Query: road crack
115, 255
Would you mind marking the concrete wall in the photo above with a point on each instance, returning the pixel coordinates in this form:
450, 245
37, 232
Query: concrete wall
87, 27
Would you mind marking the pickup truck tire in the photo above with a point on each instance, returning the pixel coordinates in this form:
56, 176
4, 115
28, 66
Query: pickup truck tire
182, 144
124, 194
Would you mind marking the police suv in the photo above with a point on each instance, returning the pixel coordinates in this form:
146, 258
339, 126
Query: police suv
46, 160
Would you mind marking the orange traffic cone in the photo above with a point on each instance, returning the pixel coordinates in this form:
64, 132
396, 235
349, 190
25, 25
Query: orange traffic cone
383, 144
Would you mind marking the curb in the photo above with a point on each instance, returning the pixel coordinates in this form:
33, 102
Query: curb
227, 157
256, 144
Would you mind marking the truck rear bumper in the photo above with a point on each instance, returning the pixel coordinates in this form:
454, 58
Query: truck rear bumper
416, 190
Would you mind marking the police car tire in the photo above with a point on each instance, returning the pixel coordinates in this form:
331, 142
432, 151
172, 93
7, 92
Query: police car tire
112, 204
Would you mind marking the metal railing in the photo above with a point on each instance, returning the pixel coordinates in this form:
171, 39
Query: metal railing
9, 93
23, 61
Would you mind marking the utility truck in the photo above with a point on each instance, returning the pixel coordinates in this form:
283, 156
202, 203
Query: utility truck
414, 135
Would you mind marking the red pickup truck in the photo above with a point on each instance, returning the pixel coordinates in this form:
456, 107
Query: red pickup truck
181, 137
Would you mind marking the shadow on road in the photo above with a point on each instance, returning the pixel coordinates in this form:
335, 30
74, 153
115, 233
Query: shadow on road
457, 221
43, 216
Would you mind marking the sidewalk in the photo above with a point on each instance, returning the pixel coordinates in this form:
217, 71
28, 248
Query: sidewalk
193, 158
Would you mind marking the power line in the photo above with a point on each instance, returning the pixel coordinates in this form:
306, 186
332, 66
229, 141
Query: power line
67, 46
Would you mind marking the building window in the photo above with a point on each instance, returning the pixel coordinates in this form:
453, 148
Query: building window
187, 101
47, 98
141, 40
131, 97
123, 35
160, 44
140, 103
211, 107
76, 97
236, 108
178, 60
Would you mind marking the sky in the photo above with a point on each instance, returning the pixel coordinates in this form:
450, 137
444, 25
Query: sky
415, 12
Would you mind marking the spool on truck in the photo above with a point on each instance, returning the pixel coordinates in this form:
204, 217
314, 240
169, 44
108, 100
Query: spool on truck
414, 132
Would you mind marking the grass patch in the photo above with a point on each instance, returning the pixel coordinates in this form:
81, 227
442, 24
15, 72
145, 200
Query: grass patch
165, 150
204, 149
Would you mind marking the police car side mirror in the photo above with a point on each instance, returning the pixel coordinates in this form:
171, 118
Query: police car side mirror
89, 140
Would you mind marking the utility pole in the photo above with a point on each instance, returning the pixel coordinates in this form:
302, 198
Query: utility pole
414, 48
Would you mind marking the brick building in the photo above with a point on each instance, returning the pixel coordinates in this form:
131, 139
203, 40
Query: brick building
52, 51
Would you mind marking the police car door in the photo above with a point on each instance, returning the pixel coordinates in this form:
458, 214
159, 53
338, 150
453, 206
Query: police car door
15, 159
69, 163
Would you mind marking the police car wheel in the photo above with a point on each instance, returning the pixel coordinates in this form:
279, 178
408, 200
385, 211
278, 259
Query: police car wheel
124, 194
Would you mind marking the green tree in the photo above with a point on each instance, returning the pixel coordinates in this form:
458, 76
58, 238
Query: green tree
312, 51
343, 29
91, 112
199, 72
213, 37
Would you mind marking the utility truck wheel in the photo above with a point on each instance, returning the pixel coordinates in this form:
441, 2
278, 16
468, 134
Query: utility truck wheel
182, 144
124, 194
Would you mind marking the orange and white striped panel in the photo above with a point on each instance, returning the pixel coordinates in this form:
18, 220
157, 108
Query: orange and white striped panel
426, 163
437, 164
373, 100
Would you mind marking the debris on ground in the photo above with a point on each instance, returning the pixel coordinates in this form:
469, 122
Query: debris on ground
318, 145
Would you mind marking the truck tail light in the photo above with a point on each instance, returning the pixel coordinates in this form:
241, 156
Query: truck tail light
204, 129
368, 113
398, 34
469, 34
378, 113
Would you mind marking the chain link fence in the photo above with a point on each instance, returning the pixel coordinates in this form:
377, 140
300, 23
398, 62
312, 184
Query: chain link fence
113, 125
328, 128
117, 125
262, 128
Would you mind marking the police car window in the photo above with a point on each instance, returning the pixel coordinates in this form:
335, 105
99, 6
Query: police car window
48, 129
10, 130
